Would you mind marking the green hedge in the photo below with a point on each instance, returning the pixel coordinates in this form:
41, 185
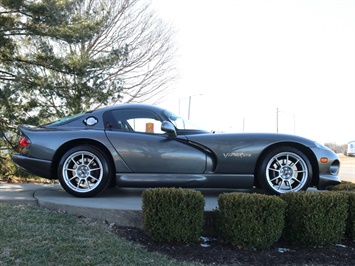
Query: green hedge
351, 219
250, 220
173, 214
350, 225
344, 186
315, 217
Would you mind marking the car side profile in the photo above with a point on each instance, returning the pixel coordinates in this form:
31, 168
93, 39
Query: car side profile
139, 145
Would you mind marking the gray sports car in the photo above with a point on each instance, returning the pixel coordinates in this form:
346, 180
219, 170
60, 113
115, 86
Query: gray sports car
138, 145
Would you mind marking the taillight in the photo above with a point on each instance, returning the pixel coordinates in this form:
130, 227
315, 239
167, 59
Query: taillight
23, 143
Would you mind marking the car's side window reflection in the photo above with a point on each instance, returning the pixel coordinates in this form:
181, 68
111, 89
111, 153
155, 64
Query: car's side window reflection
147, 125
137, 121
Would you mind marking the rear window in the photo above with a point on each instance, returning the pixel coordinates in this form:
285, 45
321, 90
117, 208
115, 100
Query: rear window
63, 120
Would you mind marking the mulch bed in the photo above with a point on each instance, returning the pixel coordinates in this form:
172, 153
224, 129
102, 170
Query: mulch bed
215, 252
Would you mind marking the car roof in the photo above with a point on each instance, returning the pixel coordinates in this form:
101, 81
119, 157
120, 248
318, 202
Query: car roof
130, 106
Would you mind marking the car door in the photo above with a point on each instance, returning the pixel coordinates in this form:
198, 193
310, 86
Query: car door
137, 137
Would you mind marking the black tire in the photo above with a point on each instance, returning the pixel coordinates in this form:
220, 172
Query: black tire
84, 171
285, 169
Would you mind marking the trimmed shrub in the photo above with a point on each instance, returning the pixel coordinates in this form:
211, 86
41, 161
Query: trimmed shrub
344, 186
349, 189
351, 219
250, 220
173, 214
350, 225
315, 217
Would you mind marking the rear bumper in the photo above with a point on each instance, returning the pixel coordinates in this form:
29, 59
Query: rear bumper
33, 166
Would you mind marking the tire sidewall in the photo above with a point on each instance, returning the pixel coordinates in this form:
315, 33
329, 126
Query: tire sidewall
104, 182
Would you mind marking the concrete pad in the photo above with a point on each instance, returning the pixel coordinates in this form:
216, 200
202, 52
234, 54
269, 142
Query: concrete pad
112, 207
19, 193
122, 206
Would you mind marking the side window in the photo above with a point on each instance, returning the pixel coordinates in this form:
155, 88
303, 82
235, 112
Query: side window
147, 125
136, 120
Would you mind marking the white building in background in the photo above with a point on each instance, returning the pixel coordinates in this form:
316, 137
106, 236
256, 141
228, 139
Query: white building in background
351, 148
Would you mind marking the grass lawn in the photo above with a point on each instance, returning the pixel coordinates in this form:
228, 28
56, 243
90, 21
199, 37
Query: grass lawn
35, 236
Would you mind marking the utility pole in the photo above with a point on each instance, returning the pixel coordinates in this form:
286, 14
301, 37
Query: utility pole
277, 120
188, 114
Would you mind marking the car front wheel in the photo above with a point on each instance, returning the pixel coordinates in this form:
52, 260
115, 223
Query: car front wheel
285, 169
84, 171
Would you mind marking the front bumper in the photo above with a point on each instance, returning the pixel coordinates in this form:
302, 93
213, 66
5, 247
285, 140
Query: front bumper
326, 181
327, 171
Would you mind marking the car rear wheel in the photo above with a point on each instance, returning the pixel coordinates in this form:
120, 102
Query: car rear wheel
84, 171
284, 170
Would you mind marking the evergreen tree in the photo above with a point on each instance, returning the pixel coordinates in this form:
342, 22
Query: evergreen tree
61, 57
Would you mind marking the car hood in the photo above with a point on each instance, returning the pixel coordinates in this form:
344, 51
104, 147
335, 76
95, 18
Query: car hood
239, 142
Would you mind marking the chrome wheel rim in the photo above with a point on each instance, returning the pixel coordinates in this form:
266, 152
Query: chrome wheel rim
82, 171
286, 172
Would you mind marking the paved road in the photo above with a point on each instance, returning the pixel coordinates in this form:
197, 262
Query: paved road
347, 173
347, 168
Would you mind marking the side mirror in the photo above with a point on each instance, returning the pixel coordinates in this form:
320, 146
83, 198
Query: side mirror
169, 128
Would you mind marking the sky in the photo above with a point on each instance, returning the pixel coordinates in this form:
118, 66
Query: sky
284, 66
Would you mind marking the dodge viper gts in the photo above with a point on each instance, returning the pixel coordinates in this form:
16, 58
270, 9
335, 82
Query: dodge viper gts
138, 145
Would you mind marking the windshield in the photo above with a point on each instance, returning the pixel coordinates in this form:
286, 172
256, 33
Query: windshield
179, 122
